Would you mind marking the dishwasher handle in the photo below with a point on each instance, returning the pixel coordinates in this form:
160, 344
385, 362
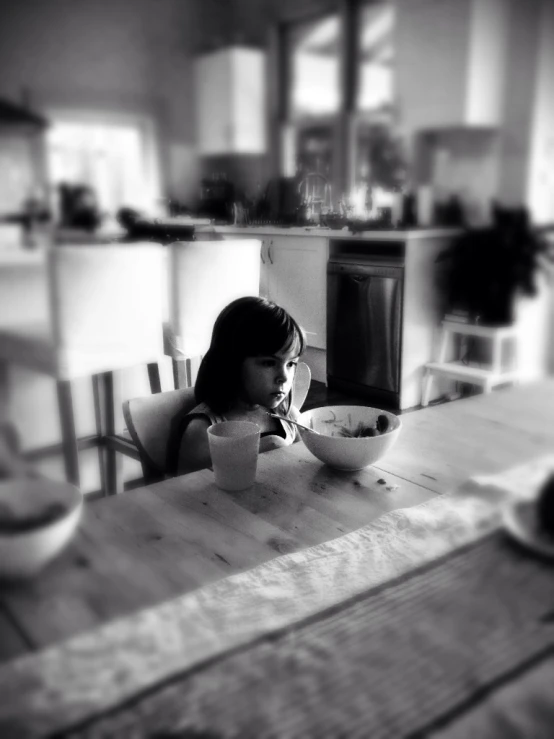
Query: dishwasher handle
364, 270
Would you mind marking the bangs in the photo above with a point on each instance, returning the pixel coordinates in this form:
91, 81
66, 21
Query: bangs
274, 333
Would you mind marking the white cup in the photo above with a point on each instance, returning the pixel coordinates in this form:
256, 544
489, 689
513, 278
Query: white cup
234, 447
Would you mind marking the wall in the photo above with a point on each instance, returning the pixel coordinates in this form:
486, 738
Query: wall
441, 30
521, 78
115, 56
541, 170
506, 161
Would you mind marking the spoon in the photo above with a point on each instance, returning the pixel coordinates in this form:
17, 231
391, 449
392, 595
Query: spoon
289, 420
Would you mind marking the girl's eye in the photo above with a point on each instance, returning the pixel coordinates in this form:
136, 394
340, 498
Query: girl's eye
292, 364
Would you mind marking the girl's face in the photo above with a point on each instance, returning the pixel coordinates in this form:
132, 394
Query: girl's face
268, 380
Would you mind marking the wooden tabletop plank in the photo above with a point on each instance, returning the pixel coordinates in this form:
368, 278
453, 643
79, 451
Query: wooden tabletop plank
442, 446
151, 544
12, 642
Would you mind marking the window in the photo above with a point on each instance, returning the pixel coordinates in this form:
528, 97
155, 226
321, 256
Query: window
313, 101
378, 155
116, 158
314, 68
376, 57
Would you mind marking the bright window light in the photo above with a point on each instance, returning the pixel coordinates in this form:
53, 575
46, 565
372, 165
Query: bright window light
112, 158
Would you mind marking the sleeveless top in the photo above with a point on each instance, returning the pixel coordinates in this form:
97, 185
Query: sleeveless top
180, 423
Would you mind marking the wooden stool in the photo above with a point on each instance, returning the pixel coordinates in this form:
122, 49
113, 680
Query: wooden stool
205, 276
487, 377
106, 314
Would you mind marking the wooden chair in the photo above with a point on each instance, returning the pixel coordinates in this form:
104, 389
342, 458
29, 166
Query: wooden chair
149, 420
205, 276
106, 314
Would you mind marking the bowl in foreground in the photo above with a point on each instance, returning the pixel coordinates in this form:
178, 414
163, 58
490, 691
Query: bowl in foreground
345, 453
37, 520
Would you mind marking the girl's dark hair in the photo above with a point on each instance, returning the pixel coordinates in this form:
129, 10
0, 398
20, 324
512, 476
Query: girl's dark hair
247, 327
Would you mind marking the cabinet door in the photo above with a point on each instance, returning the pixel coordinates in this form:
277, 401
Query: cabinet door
298, 282
230, 95
265, 263
451, 62
264, 269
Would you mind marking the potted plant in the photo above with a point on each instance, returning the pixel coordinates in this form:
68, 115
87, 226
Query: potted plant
485, 269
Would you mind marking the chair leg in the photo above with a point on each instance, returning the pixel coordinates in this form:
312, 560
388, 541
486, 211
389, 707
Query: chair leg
69, 435
181, 373
114, 462
497, 343
426, 392
443, 345
97, 391
154, 378
195, 363
4, 390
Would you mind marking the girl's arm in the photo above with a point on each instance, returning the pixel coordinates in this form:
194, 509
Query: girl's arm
194, 451
294, 414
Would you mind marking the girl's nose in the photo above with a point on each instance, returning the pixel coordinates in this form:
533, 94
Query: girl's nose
281, 375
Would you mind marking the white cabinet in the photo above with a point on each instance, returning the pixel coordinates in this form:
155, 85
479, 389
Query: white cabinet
296, 277
265, 263
230, 102
451, 61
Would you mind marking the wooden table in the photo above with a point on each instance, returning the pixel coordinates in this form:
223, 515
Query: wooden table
145, 546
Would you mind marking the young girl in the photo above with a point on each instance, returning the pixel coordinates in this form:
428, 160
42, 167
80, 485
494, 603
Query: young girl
248, 370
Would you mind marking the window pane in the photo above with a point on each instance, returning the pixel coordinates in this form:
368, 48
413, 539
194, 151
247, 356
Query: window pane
315, 168
314, 67
107, 157
380, 157
376, 56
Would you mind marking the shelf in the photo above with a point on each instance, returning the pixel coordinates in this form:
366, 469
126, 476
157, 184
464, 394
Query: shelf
467, 373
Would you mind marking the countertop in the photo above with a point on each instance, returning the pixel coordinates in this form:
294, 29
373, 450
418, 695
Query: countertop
12, 258
328, 233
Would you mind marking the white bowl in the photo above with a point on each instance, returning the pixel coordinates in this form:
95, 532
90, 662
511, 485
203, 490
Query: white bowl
28, 544
344, 453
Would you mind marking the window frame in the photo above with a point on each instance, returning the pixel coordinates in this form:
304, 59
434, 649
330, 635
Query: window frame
348, 118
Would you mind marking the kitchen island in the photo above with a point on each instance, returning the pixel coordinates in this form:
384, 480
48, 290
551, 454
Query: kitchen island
295, 275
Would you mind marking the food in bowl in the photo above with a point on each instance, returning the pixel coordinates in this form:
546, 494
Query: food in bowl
38, 517
364, 430
349, 437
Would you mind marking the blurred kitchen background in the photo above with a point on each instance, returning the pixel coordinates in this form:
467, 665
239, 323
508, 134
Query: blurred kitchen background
285, 111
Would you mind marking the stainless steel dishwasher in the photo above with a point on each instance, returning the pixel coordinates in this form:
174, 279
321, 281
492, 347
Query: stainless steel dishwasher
364, 319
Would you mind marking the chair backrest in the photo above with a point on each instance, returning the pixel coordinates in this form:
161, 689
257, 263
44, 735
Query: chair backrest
107, 306
301, 386
149, 420
205, 277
